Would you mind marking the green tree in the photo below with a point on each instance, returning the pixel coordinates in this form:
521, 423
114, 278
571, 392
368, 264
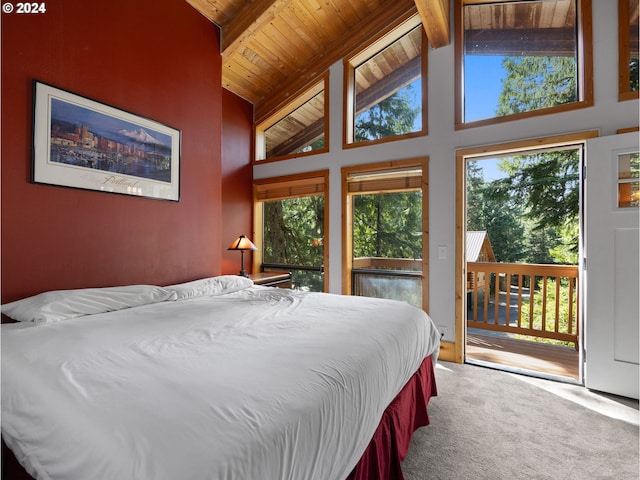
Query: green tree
535, 82
547, 182
633, 71
491, 208
388, 225
294, 230
393, 115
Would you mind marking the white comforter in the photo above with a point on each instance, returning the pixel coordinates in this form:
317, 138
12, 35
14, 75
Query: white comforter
262, 384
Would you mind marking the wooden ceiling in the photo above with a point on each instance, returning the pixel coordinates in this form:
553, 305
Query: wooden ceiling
273, 48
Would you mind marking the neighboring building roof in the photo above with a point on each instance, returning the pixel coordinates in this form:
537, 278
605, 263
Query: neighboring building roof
475, 242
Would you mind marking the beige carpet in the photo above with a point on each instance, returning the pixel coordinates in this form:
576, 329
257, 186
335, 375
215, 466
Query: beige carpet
488, 424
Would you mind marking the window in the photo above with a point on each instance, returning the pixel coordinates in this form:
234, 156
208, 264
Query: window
385, 87
521, 58
291, 224
297, 129
628, 49
629, 180
385, 225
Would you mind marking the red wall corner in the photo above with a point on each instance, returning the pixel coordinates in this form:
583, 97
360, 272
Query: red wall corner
237, 178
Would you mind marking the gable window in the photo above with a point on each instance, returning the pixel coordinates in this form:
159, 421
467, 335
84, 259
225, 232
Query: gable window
628, 49
385, 87
297, 129
517, 59
290, 227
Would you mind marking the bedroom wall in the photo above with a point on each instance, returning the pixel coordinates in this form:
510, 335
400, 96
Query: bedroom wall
606, 116
237, 177
156, 59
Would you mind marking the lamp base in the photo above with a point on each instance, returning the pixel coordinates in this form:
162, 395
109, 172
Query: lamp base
243, 274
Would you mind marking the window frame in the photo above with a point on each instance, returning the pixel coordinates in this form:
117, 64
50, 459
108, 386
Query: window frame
584, 65
387, 37
347, 216
306, 94
289, 182
624, 52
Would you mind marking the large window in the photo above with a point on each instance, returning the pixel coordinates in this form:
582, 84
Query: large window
628, 49
521, 58
291, 226
297, 129
385, 223
385, 87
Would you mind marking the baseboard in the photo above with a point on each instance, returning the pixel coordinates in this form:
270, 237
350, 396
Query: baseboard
447, 352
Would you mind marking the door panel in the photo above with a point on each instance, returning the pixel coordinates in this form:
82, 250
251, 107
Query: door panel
612, 313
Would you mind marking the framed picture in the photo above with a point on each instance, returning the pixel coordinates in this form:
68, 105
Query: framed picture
80, 143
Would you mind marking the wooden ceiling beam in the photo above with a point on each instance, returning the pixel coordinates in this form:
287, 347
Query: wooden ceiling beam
244, 26
435, 20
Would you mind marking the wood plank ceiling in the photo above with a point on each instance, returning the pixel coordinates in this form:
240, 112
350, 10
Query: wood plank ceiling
273, 48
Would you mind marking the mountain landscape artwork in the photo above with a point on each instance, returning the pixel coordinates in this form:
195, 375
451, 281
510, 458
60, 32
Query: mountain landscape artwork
87, 138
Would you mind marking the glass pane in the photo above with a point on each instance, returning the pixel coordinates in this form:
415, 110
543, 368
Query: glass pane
307, 280
387, 231
294, 231
629, 194
633, 45
392, 287
629, 165
388, 90
519, 57
300, 131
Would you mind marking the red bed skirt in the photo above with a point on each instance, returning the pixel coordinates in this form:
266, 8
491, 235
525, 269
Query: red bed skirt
390, 443
388, 447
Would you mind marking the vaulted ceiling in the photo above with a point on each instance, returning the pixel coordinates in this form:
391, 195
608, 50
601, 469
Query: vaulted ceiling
273, 48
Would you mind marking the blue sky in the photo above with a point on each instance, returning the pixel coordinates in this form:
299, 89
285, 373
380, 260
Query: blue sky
482, 89
482, 85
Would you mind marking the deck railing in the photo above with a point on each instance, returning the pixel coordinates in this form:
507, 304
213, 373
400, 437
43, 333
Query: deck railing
526, 299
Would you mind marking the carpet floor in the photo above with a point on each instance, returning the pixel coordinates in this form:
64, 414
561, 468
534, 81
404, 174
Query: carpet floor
489, 424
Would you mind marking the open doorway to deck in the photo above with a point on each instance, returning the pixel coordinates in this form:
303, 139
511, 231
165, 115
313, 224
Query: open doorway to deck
519, 237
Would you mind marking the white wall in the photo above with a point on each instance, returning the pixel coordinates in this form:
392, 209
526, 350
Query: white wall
607, 115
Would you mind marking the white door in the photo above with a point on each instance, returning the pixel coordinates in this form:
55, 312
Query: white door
612, 290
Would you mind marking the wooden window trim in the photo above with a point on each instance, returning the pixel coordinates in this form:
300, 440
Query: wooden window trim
585, 67
395, 31
299, 99
302, 184
347, 213
624, 49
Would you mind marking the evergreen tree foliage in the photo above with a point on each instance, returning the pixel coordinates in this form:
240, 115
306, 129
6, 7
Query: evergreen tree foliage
393, 115
533, 83
388, 225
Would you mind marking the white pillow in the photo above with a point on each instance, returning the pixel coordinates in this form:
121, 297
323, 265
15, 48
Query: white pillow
210, 286
57, 305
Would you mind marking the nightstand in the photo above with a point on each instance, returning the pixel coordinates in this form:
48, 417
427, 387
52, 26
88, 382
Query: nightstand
272, 279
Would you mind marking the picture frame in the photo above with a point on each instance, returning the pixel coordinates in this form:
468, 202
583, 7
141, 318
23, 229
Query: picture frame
81, 143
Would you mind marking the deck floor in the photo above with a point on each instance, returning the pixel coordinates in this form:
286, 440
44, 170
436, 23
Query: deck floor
525, 355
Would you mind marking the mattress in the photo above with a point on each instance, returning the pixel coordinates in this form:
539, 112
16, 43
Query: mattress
252, 384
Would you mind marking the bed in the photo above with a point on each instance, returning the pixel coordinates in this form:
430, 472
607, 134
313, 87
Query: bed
213, 379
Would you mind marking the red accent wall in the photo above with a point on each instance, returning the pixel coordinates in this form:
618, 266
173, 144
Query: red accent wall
159, 60
237, 178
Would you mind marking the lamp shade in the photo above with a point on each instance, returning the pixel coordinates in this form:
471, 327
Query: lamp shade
242, 243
